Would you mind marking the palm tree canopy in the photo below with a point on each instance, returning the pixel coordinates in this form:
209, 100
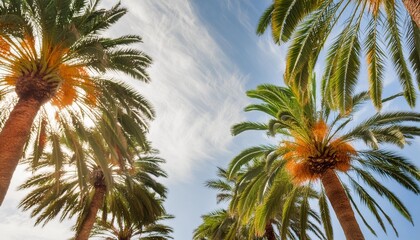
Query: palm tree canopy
313, 139
248, 217
373, 29
124, 230
221, 225
134, 194
61, 53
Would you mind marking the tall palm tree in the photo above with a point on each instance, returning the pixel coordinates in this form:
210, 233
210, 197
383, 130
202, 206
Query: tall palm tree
133, 193
240, 222
50, 51
376, 27
110, 155
318, 144
126, 230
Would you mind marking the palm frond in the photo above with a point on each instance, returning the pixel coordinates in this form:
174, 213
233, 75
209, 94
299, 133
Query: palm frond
285, 16
375, 61
396, 49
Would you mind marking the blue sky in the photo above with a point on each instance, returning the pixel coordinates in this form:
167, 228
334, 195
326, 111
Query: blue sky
206, 55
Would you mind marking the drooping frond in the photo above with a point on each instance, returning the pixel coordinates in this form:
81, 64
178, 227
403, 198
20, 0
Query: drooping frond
413, 44
265, 20
375, 61
396, 49
307, 43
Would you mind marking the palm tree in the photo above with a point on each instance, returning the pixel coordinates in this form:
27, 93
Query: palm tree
133, 192
111, 155
241, 221
315, 146
126, 230
50, 52
222, 223
307, 24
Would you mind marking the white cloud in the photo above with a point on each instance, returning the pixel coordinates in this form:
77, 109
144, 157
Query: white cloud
273, 53
237, 8
197, 92
16, 225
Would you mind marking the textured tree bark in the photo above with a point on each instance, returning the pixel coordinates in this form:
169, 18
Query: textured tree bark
413, 8
341, 205
89, 220
269, 232
13, 137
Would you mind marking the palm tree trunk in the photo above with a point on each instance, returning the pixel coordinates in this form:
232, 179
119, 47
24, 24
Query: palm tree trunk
89, 220
269, 232
341, 205
13, 137
413, 8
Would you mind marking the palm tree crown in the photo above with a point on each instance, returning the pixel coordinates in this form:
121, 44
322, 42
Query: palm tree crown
122, 229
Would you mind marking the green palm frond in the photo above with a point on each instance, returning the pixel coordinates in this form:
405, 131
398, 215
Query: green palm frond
247, 156
129, 61
392, 165
413, 44
375, 60
285, 16
245, 126
265, 20
94, 20
215, 225
381, 121
308, 41
272, 203
396, 50
383, 191
242, 221
287, 211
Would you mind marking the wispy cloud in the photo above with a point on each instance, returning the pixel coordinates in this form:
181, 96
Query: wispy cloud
196, 90
238, 9
16, 225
